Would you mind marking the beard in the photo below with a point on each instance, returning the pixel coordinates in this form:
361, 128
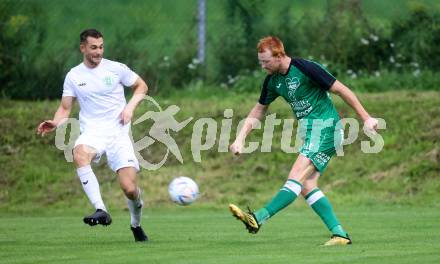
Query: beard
268, 71
94, 60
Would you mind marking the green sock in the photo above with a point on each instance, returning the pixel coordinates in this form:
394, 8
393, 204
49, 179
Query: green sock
338, 230
283, 198
322, 207
262, 215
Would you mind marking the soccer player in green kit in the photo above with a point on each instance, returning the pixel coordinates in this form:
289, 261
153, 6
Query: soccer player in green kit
304, 85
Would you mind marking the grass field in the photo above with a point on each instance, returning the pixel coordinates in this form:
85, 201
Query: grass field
381, 234
387, 202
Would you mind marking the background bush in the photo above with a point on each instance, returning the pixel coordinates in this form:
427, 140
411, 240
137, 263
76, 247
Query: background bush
39, 42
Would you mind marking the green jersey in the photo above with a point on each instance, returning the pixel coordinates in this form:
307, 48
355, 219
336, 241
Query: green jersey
305, 88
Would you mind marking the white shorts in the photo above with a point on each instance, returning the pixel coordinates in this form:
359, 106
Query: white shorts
117, 147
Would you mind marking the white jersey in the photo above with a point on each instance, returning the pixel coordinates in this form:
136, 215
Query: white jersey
100, 94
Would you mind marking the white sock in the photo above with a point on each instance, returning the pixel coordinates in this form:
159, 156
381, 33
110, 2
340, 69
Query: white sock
91, 186
135, 207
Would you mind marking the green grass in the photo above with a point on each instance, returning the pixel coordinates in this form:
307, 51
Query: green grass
381, 234
387, 202
35, 175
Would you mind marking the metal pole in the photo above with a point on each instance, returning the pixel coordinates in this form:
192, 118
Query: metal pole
201, 17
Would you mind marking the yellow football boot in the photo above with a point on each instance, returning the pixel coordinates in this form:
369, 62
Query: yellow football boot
248, 218
337, 240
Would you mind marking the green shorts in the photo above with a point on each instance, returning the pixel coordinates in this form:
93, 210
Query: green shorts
320, 147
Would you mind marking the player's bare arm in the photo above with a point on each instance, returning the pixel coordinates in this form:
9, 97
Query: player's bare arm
60, 116
351, 99
140, 89
256, 114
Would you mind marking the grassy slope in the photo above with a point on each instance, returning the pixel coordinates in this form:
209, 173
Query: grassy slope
35, 175
194, 235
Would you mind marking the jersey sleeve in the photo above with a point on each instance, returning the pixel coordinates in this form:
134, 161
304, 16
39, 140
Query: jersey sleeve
68, 87
268, 95
128, 77
315, 72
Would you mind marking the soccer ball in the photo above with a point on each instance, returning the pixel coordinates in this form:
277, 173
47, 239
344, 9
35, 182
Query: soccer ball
183, 190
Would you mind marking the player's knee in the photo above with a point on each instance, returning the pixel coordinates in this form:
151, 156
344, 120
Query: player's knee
80, 156
130, 191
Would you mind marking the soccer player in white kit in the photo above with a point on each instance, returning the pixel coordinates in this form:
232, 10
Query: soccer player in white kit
98, 86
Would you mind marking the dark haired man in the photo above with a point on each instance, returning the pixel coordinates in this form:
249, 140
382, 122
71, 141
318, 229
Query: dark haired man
98, 86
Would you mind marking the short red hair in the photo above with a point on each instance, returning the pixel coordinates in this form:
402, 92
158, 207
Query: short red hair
274, 44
